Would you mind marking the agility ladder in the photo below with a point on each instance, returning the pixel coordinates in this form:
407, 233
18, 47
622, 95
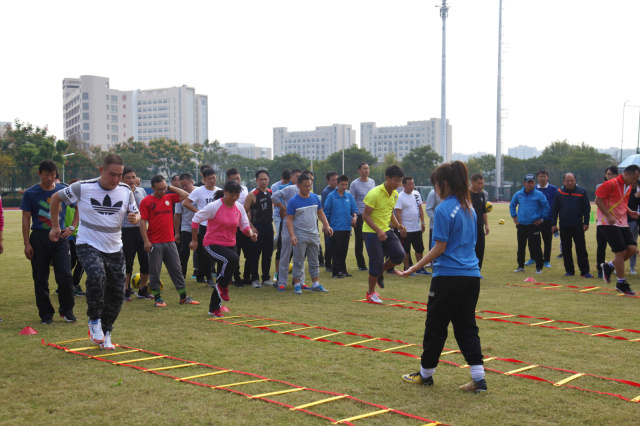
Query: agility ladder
124, 358
587, 289
577, 327
261, 323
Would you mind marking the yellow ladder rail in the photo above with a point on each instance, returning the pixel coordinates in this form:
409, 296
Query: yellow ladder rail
129, 361
362, 341
529, 367
363, 416
327, 335
262, 395
170, 367
398, 347
243, 383
202, 375
118, 353
296, 329
321, 401
543, 322
568, 379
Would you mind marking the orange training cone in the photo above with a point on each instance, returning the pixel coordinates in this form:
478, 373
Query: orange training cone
529, 280
27, 331
224, 309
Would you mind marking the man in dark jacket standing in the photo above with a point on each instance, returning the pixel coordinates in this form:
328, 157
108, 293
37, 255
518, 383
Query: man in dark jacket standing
571, 203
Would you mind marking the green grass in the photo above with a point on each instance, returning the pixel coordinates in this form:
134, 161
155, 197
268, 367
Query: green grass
40, 384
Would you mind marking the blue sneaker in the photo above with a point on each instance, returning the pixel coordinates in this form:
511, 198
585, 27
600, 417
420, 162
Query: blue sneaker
530, 262
569, 274
547, 265
587, 275
319, 288
297, 289
281, 287
423, 271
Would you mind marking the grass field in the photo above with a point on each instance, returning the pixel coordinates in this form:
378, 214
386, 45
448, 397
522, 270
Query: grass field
39, 384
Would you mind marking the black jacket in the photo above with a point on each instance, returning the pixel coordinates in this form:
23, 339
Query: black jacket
572, 206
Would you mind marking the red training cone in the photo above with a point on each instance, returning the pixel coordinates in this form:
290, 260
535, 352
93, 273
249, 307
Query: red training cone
27, 331
224, 309
529, 280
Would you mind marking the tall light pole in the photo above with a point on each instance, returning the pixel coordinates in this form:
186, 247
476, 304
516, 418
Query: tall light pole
499, 111
444, 12
64, 163
622, 138
196, 153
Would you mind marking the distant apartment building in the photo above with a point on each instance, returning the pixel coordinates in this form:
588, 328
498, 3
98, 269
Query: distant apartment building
248, 150
379, 141
95, 114
523, 152
458, 156
3, 127
317, 144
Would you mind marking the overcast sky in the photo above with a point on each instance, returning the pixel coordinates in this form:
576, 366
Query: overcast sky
568, 68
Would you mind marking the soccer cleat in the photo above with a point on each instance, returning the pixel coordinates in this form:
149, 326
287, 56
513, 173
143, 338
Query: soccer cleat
78, 292
223, 292
188, 301
381, 281
96, 335
160, 303
256, 284
417, 379
569, 274
69, 318
106, 344
319, 288
473, 386
281, 287
297, 289
624, 288
305, 287
267, 283
587, 275
530, 262
143, 293
547, 265
373, 298
217, 313
519, 269
46, 321
423, 271
606, 272
538, 271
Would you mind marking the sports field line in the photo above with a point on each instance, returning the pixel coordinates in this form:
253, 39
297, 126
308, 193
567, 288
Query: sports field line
548, 323
271, 324
288, 388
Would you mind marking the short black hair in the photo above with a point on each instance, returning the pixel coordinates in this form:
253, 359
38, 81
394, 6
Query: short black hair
204, 167
112, 159
394, 171
542, 172
186, 176
406, 178
476, 176
259, 172
208, 172
48, 166
303, 177
286, 174
232, 171
174, 177
330, 175
309, 173
343, 178
361, 164
127, 170
294, 171
612, 169
632, 168
231, 187
156, 179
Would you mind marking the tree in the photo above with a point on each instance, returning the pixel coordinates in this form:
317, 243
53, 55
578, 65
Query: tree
170, 156
420, 162
288, 161
213, 153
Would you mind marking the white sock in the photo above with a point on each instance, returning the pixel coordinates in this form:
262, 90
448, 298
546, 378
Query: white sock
477, 372
315, 283
426, 372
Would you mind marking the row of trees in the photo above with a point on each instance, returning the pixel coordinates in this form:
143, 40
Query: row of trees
24, 146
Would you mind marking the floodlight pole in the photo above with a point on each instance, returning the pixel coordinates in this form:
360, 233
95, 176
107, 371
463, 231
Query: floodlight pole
64, 163
499, 111
444, 12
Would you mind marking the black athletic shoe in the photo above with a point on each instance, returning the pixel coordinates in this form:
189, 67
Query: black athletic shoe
624, 288
606, 272
346, 274
328, 269
69, 317
201, 280
46, 321
238, 283
381, 281
78, 292
143, 293
337, 276
321, 264
362, 268
473, 386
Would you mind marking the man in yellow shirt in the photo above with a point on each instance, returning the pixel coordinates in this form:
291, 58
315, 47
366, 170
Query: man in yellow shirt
378, 236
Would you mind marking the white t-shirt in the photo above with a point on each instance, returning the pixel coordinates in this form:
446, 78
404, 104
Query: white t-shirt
101, 212
243, 195
202, 196
410, 205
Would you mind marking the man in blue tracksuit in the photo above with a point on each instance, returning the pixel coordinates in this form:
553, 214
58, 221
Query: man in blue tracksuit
341, 211
532, 207
549, 192
571, 203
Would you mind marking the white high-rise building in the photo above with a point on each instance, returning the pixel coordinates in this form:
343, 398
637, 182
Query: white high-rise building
317, 144
523, 152
379, 141
248, 150
95, 114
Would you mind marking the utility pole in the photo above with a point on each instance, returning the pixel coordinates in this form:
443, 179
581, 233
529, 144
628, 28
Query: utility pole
499, 111
444, 12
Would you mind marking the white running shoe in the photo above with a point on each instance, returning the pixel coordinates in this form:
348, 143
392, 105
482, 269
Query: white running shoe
256, 284
373, 298
267, 283
107, 345
96, 335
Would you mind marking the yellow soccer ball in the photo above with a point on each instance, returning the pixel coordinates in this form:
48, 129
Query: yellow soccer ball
488, 206
290, 266
501, 221
135, 281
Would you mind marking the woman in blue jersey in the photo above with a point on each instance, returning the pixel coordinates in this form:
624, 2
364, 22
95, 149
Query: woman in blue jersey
455, 285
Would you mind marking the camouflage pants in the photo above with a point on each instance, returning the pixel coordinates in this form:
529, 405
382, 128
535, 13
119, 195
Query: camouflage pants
105, 283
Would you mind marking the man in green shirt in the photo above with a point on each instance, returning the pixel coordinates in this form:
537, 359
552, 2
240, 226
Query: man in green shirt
377, 234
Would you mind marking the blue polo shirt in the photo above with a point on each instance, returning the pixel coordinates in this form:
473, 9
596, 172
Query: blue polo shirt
339, 210
37, 201
458, 228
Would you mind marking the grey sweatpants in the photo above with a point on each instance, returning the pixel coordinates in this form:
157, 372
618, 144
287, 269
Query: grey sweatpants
285, 253
308, 246
167, 253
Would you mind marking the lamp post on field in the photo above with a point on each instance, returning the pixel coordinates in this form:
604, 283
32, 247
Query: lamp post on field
196, 153
65, 162
622, 138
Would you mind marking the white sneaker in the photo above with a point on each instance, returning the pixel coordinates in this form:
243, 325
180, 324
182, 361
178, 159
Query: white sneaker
256, 284
538, 271
107, 345
268, 283
96, 335
518, 269
632, 272
373, 298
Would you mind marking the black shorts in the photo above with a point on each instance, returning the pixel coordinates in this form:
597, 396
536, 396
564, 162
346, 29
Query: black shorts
413, 239
619, 238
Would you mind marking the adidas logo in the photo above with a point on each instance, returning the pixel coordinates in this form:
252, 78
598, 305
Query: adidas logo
106, 207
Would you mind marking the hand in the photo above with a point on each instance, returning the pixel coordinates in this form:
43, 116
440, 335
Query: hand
294, 241
54, 235
406, 273
66, 233
253, 236
611, 219
382, 236
328, 230
538, 222
131, 217
634, 214
1, 248
193, 245
515, 220
424, 228
148, 246
554, 229
354, 221
486, 229
403, 232
585, 228
177, 237
28, 250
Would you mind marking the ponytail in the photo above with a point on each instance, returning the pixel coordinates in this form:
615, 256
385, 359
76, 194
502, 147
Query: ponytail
456, 177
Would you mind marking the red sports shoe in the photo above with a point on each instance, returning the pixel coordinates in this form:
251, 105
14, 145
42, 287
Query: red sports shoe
223, 292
